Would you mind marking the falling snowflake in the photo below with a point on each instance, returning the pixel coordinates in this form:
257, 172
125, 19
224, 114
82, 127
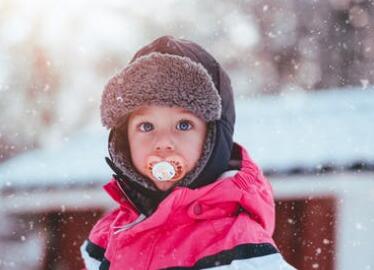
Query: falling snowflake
364, 83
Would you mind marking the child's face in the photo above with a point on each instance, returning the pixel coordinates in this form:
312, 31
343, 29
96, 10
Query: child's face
161, 134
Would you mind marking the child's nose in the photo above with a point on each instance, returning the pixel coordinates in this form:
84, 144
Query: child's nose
164, 144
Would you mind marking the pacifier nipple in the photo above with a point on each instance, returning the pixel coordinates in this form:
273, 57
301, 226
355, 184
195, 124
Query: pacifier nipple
163, 171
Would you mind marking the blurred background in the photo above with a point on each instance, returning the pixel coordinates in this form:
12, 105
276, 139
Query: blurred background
302, 73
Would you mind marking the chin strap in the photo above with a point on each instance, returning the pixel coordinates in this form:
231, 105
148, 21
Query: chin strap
144, 200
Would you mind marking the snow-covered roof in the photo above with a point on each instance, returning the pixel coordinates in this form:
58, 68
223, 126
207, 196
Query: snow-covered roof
76, 161
309, 131
282, 133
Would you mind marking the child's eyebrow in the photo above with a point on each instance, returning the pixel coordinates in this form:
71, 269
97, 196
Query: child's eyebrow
185, 111
144, 112
140, 113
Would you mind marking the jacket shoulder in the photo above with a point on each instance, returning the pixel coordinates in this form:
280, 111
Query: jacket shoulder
100, 231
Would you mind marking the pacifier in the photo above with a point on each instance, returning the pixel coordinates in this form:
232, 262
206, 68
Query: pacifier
170, 169
163, 171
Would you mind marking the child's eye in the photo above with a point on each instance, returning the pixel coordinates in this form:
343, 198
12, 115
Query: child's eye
184, 125
145, 127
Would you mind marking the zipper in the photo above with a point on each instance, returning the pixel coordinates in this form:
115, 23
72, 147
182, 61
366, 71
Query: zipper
128, 226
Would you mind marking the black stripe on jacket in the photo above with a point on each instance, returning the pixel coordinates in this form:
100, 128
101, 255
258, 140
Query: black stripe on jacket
95, 251
244, 251
104, 264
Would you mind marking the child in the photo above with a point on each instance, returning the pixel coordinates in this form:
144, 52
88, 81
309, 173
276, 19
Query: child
189, 198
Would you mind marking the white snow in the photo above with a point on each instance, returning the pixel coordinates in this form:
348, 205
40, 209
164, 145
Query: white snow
308, 130
77, 161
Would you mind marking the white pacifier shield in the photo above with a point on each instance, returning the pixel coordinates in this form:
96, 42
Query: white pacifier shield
163, 171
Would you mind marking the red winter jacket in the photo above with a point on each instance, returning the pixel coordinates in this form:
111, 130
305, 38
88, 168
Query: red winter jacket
229, 223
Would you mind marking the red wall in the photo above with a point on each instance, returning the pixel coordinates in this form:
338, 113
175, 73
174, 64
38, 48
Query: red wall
305, 232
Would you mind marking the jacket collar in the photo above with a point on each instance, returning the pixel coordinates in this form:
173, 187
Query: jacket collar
239, 160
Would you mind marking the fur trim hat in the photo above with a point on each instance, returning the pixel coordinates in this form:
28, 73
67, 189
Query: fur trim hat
160, 79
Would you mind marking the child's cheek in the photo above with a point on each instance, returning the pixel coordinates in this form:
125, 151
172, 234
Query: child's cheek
138, 159
139, 151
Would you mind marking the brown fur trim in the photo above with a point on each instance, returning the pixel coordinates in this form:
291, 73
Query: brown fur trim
160, 79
